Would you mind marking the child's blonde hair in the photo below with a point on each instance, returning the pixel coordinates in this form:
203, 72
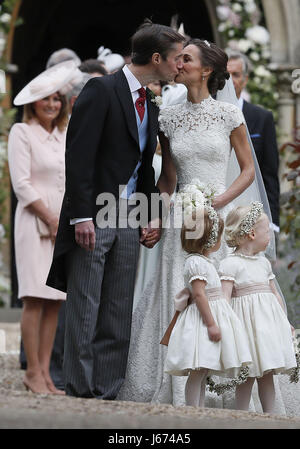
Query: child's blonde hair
233, 222
197, 245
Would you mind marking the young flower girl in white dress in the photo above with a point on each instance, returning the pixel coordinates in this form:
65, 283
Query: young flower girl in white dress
207, 337
248, 282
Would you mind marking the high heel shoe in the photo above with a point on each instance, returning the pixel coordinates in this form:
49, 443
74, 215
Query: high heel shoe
35, 389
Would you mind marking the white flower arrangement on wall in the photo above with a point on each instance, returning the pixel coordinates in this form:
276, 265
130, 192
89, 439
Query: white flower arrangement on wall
242, 25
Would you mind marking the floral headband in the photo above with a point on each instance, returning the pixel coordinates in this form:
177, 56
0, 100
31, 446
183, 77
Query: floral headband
194, 197
251, 218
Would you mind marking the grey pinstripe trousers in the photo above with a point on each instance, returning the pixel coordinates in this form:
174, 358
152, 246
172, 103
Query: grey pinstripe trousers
98, 313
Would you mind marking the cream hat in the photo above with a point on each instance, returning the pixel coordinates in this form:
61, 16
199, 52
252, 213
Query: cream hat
47, 83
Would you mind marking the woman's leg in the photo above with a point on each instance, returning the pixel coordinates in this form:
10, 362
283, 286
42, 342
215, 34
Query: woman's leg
48, 327
203, 388
266, 392
194, 394
243, 394
30, 327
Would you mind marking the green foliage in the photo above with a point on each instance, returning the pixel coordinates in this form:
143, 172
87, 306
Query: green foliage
289, 245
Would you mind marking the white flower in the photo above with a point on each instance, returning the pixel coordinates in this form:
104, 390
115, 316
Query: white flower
223, 12
258, 34
236, 7
263, 72
157, 100
5, 18
244, 45
250, 8
254, 56
222, 27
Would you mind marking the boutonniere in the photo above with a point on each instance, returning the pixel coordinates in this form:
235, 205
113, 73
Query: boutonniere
156, 99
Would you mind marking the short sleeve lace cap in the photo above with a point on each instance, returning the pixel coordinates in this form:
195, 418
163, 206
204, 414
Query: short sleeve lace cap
234, 117
166, 120
196, 268
209, 114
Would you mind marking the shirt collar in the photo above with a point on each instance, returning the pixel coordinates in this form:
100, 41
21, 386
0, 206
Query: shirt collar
241, 103
133, 82
43, 135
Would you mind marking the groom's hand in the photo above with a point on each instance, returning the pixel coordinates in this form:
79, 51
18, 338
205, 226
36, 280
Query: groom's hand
85, 235
151, 235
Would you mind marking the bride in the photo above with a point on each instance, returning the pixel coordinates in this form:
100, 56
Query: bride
196, 139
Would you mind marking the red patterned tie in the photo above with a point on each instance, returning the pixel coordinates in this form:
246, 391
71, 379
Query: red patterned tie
140, 103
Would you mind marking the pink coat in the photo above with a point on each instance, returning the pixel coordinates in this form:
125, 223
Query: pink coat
37, 168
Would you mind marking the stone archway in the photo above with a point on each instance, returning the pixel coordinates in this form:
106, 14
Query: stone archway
283, 22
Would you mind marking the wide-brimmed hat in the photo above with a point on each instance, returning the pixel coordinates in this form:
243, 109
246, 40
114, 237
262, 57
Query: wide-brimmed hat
47, 83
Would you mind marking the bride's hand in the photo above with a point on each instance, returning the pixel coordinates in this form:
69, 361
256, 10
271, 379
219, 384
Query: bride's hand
218, 202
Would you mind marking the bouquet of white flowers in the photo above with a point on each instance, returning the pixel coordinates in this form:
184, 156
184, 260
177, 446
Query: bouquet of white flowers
194, 196
190, 203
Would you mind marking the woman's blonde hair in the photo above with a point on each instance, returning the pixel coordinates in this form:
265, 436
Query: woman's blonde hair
233, 225
61, 120
197, 245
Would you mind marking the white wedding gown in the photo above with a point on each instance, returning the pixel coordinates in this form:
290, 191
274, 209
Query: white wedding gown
199, 136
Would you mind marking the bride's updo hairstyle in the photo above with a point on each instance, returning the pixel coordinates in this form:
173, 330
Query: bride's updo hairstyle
212, 56
233, 224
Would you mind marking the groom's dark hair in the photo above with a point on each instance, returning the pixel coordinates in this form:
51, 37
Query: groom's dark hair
153, 38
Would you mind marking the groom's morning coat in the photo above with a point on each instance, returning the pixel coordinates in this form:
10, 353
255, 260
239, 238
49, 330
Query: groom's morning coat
102, 151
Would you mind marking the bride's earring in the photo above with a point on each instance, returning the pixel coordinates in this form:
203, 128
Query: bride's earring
203, 78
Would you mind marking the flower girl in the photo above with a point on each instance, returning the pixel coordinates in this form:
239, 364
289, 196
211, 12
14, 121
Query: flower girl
248, 282
207, 337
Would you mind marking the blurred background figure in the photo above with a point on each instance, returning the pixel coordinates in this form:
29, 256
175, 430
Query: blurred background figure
36, 154
262, 131
94, 67
74, 87
63, 54
112, 61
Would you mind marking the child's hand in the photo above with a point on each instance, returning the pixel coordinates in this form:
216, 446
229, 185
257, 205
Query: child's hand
214, 333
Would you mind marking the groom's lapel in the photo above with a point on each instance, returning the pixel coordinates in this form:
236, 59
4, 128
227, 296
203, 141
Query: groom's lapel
124, 94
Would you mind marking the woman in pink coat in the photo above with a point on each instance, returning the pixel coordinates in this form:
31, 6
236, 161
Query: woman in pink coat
36, 154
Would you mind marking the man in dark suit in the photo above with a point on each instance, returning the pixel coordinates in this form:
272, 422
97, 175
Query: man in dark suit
261, 127
111, 140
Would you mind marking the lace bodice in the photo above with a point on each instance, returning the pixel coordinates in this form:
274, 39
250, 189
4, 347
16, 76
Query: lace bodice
199, 136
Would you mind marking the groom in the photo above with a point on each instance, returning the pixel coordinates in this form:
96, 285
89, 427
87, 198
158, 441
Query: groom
111, 140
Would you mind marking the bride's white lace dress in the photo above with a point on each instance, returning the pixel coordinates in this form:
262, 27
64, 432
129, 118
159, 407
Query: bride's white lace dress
199, 136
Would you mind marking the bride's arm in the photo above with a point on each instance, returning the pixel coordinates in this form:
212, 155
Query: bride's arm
167, 180
239, 142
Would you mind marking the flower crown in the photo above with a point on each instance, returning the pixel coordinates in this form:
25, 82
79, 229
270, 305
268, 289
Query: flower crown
245, 225
193, 198
251, 218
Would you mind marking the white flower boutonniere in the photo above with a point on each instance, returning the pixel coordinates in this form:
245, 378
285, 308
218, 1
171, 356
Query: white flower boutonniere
156, 99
